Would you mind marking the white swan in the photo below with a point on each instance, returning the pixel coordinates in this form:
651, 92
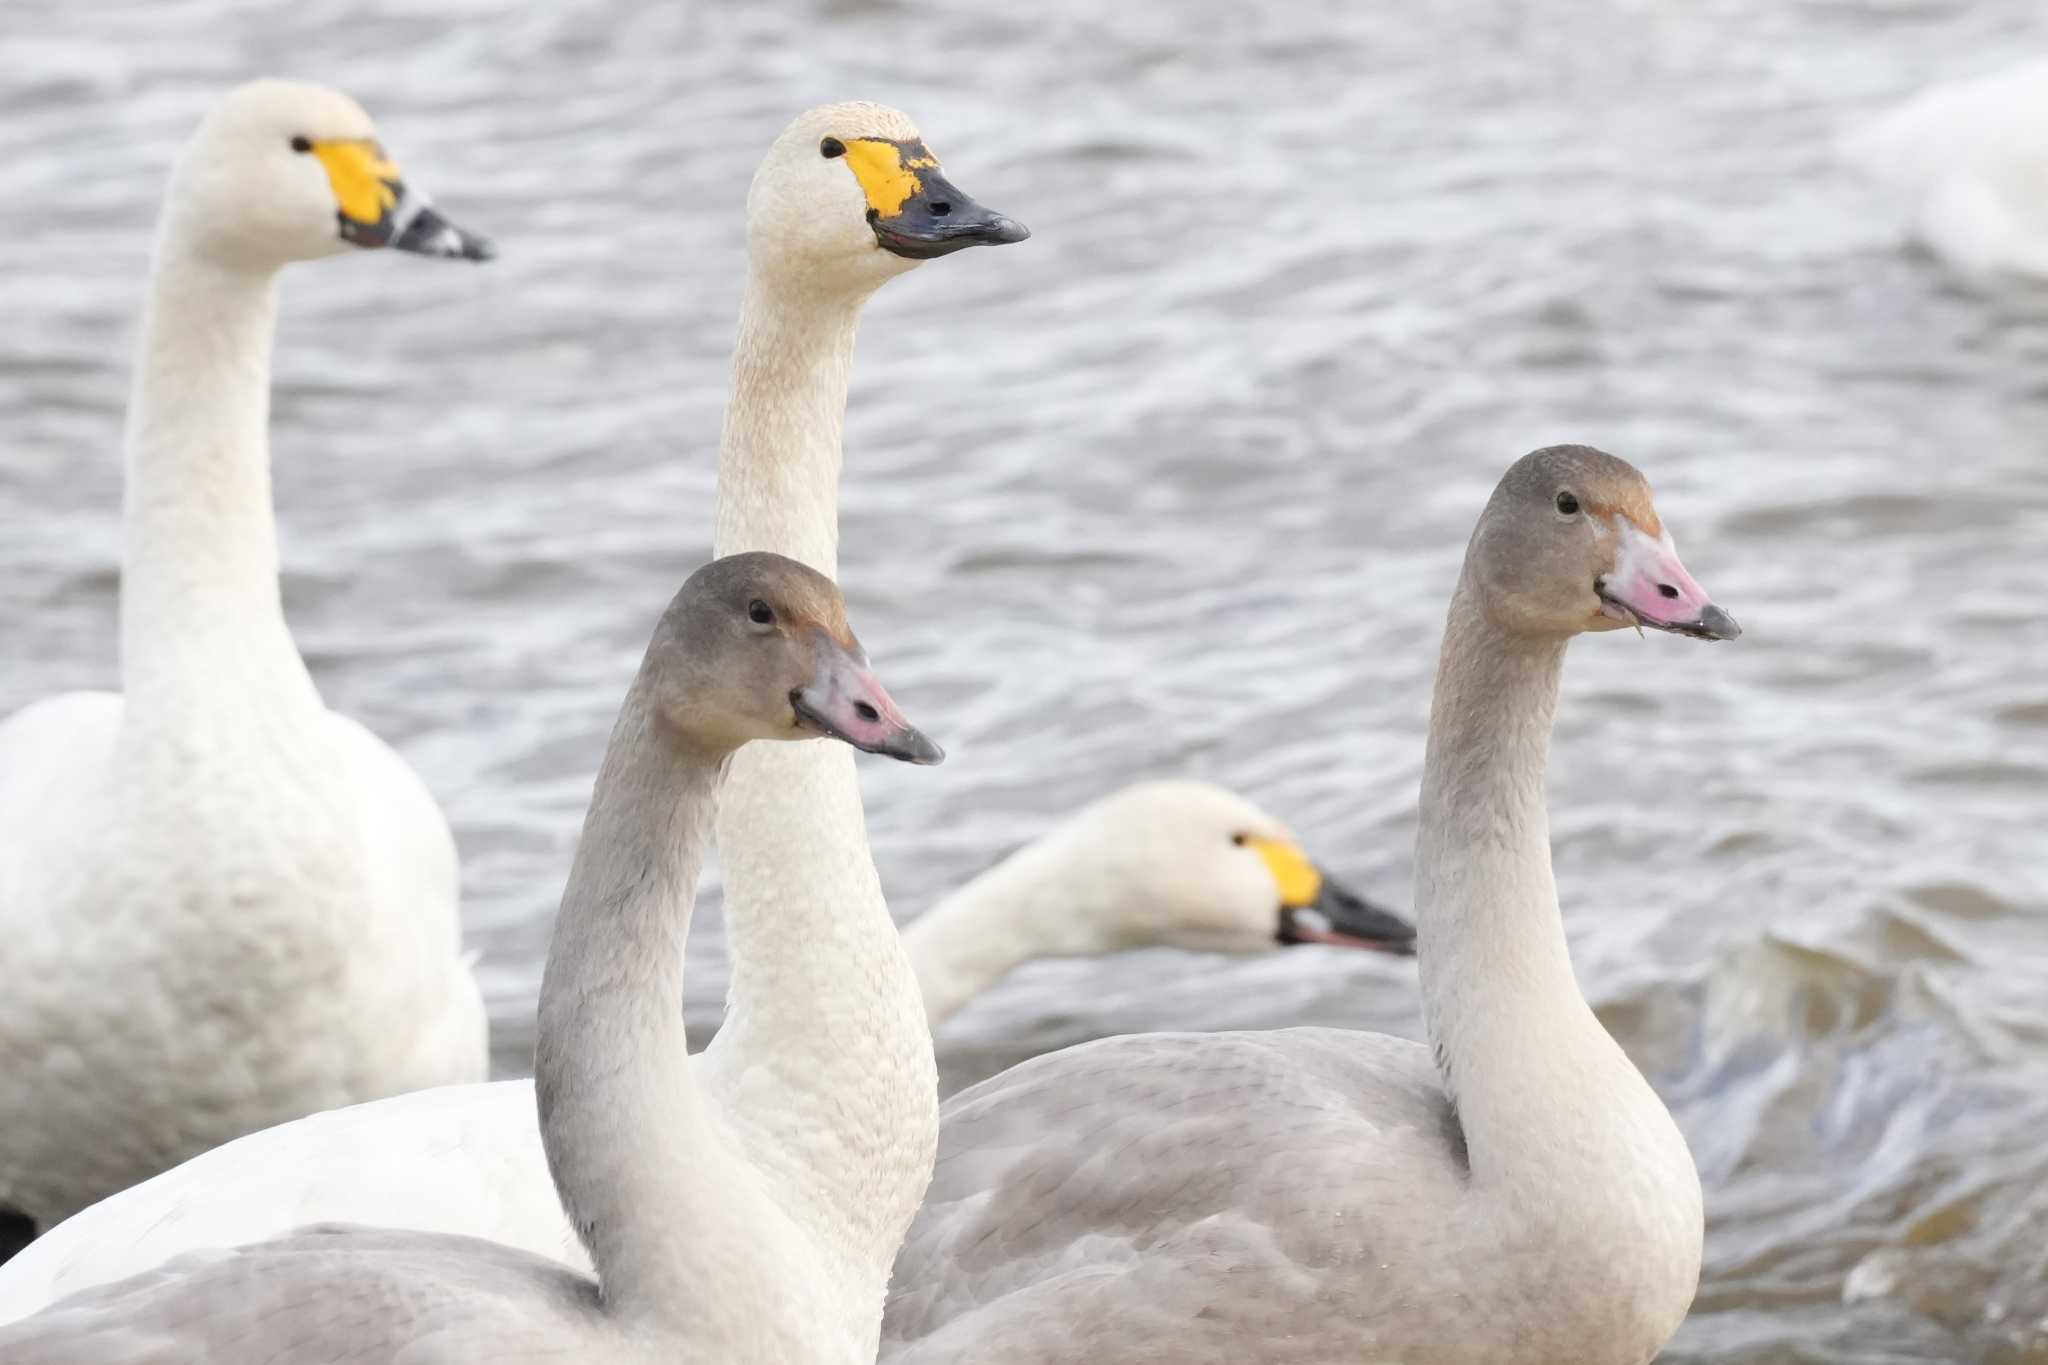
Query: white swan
829, 1020
1174, 862
704, 1247
1519, 1193
1969, 161
221, 904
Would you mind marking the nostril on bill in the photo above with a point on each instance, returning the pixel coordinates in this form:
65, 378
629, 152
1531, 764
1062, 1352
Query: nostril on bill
866, 712
1667, 590
940, 208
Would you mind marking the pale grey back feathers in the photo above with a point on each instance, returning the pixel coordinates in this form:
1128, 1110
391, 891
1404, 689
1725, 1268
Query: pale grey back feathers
1148, 1197
330, 1293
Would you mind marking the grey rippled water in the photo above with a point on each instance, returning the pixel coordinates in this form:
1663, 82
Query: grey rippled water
1181, 486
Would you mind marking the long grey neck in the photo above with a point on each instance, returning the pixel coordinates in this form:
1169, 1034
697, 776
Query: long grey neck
618, 1107
823, 1009
202, 624
1520, 1051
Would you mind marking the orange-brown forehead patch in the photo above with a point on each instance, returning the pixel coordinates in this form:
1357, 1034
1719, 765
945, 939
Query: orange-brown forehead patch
1632, 501
824, 609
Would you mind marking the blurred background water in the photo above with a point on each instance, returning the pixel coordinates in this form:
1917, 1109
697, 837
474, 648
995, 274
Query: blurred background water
1180, 486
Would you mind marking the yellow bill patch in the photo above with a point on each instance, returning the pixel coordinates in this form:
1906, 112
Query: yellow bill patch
365, 181
887, 171
1293, 873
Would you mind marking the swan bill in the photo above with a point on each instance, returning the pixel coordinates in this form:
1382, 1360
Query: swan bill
1649, 587
1339, 917
1317, 908
844, 700
914, 210
374, 207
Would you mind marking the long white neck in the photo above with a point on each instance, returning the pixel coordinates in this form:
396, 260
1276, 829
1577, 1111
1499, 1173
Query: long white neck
823, 1013
202, 624
1032, 904
778, 459
623, 1123
1543, 1093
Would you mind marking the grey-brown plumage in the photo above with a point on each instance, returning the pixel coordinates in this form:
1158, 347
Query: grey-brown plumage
1513, 1192
696, 1254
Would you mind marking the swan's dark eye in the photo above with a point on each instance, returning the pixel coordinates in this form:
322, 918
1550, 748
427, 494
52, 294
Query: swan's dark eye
302, 144
760, 613
1567, 504
831, 147
1237, 839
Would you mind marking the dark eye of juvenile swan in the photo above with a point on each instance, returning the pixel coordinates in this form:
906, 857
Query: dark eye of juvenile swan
760, 613
302, 144
831, 147
1567, 504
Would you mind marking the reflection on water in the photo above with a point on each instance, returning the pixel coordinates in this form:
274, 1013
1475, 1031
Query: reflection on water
1180, 486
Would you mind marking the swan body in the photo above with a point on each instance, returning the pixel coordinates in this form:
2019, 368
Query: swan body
823, 1073
698, 1246
1154, 863
221, 905
1968, 159
1514, 1191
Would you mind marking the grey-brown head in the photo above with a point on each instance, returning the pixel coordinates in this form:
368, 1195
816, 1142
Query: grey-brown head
1570, 542
756, 646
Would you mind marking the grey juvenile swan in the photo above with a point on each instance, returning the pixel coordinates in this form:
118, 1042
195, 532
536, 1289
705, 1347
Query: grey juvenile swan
701, 1252
1518, 1193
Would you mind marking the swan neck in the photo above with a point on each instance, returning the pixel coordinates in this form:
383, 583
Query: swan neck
618, 1107
1018, 910
1518, 1046
779, 454
822, 1011
201, 616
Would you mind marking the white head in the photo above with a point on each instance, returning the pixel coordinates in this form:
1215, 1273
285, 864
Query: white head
280, 171
849, 197
1187, 864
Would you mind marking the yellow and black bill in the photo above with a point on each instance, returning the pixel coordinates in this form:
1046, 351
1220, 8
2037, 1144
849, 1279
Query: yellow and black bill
375, 208
1317, 908
1342, 918
915, 211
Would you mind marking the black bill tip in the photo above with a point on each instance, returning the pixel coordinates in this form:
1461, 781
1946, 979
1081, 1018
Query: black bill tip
1343, 918
429, 234
939, 220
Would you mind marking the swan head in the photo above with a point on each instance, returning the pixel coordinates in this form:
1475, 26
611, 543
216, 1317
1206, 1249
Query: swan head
756, 646
281, 171
1187, 864
849, 197
1572, 542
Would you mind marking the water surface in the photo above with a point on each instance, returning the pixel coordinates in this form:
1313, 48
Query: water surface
1180, 486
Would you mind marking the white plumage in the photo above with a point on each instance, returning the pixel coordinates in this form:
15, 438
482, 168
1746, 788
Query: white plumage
221, 905
1967, 162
